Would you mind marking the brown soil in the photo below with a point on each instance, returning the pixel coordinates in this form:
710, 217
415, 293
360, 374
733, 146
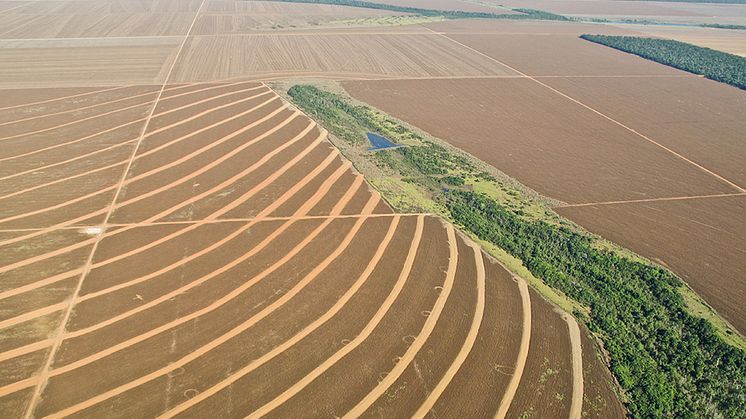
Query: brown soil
546, 384
243, 257
561, 56
544, 140
490, 363
338, 53
600, 399
703, 109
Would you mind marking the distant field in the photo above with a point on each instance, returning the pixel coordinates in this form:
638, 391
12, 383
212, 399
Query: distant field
91, 25
95, 62
222, 17
348, 54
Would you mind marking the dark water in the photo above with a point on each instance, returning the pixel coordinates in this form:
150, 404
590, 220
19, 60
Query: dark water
380, 143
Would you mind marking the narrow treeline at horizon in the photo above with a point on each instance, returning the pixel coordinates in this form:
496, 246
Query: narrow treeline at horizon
668, 362
449, 14
715, 65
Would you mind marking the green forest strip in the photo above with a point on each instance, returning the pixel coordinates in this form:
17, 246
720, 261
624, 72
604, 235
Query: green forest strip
721, 26
715, 65
448, 14
668, 362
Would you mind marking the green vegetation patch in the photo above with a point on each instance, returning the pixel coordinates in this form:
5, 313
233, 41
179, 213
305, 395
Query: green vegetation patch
715, 65
668, 362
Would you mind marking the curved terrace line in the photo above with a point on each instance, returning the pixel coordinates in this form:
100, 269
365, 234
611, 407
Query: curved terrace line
421, 338
360, 338
310, 203
329, 314
471, 338
225, 337
520, 362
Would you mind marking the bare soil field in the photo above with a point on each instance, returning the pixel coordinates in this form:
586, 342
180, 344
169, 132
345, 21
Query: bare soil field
547, 142
98, 7
92, 25
697, 118
224, 17
338, 54
93, 62
702, 240
538, 56
240, 253
547, 380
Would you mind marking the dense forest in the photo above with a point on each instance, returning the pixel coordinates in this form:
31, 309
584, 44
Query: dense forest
448, 14
668, 362
715, 65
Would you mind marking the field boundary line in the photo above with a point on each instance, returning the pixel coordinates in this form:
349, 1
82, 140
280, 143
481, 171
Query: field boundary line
603, 115
576, 404
361, 337
320, 321
471, 338
522, 356
636, 201
422, 337
44, 375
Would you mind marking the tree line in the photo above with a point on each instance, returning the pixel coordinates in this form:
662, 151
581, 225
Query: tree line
715, 65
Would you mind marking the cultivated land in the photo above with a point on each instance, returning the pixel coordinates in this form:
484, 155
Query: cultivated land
223, 17
556, 131
347, 54
240, 253
177, 240
651, 11
73, 62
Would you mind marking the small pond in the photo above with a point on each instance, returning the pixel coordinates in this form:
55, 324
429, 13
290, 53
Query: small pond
380, 143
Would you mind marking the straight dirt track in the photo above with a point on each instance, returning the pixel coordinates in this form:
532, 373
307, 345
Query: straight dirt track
242, 254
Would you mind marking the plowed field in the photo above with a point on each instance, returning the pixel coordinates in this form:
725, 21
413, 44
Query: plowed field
160, 263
